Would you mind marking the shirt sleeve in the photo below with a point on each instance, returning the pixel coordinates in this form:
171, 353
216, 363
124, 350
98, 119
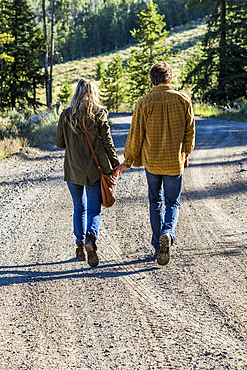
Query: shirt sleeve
59, 141
135, 137
189, 136
108, 143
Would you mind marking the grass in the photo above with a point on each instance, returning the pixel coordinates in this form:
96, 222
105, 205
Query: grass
11, 146
45, 131
18, 131
206, 110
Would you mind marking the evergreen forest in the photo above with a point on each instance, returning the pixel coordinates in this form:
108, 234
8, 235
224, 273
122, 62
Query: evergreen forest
47, 45
87, 28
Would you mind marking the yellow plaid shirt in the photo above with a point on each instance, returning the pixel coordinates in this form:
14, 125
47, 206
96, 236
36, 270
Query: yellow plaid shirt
162, 132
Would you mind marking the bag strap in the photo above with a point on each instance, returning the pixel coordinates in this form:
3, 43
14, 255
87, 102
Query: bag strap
91, 146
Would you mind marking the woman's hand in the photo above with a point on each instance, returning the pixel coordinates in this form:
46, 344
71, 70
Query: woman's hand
119, 169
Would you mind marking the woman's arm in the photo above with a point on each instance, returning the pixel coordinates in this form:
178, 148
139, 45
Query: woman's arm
59, 141
105, 133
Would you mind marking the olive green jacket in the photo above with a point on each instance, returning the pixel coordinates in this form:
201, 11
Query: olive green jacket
79, 165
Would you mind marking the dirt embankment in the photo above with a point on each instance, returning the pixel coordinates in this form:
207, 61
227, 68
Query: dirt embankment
128, 313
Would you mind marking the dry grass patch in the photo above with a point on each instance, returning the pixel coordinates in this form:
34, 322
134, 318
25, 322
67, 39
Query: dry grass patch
11, 146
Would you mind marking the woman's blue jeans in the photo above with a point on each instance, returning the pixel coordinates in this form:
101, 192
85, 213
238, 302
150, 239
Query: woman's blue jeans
172, 186
87, 207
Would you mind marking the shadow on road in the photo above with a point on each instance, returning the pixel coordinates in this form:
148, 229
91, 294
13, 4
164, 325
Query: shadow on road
21, 274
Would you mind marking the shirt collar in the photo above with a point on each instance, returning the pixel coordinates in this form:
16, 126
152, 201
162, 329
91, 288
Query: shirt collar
161, 87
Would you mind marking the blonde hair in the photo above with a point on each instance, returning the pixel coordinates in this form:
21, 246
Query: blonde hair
85, 102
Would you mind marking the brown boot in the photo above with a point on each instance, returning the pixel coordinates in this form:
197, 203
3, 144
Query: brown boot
91, 248
80, 251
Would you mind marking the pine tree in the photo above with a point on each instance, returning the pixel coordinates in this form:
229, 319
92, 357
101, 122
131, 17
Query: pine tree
99, 69
24, 74
112, 87
66, 91
221, 74
191, 63
5, 59
150, 37
236, 73
46, 55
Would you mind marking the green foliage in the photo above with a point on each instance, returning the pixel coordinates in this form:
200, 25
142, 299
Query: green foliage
206, 110
221, 73
5, 38
66, 92
138, 77
112, 87
151, 36
177, 13
151, 31
45, 131
99, 69
92, 28
187, 73
17, 127
15, 124
20, 78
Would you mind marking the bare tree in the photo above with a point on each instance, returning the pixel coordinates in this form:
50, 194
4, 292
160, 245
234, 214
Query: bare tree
52, 46
46, 56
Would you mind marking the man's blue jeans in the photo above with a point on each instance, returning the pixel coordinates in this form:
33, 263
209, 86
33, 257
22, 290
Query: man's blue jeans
172, 186
87, 207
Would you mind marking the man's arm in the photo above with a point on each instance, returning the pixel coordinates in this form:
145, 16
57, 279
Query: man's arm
135, 137
189, 135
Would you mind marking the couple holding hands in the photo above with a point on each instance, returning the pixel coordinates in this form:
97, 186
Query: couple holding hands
161, 137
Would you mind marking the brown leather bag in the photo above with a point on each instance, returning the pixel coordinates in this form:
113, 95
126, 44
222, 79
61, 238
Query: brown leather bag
106, 181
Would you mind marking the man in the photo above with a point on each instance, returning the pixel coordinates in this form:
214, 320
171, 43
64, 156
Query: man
161, 137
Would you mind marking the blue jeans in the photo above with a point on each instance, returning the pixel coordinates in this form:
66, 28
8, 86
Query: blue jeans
87, 207
172, 186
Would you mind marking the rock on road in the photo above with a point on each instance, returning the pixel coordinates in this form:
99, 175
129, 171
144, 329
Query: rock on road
128, 313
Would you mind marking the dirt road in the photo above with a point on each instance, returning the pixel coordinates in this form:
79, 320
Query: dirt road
128, 313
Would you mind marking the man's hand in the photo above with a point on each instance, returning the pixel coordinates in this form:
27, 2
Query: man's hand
120, 168
186, 162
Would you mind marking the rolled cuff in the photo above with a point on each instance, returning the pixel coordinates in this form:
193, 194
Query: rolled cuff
127, 163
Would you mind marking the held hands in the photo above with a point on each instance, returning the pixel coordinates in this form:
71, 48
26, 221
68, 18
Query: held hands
186, 162
119, 169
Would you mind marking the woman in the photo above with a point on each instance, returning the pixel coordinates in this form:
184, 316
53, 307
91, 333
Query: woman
80, 170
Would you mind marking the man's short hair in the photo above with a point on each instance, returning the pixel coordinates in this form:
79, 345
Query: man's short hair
161, 73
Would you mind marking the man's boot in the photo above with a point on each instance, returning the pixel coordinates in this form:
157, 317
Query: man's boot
163, 255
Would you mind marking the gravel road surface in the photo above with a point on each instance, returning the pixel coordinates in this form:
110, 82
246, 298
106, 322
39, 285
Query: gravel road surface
128, 313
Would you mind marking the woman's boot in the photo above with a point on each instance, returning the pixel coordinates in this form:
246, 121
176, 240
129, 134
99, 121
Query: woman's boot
80, 251
91, 248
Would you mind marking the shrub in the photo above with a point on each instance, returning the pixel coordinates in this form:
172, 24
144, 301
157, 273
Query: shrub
10, 146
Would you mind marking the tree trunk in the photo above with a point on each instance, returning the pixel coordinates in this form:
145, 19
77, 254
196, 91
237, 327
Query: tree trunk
46, 56
1, 102
52, 45
222, 56
34, 94
14, 72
